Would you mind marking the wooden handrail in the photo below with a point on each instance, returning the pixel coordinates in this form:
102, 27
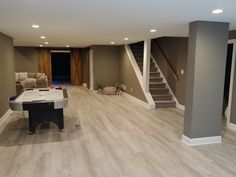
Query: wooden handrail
166, 61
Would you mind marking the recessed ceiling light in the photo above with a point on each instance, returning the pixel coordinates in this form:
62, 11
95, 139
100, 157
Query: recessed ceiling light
40, 45
45, 42
67, 46
217, 11
112, 42
126, 39
35, 26
153, 30
42, 37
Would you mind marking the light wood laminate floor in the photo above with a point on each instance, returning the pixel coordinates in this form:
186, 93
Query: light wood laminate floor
116, 138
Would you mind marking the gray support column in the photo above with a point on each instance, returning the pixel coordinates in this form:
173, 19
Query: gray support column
146, 64
205, 82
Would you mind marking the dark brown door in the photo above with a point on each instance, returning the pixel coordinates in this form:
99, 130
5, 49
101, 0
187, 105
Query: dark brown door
44, 63
76, 67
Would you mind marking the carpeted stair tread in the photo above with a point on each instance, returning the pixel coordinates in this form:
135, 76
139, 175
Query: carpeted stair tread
165, 104
157, 85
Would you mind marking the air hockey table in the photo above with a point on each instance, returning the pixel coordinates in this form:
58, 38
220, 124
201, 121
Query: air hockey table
43, 105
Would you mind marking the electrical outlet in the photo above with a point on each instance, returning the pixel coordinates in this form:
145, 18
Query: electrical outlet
131, 89
182, 71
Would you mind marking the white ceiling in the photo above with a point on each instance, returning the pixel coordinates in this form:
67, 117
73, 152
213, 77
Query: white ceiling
81, 23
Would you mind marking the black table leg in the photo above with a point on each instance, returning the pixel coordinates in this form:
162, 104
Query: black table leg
37, 116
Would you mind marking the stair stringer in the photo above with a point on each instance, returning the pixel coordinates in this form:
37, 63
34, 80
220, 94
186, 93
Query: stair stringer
148, 96
178, 105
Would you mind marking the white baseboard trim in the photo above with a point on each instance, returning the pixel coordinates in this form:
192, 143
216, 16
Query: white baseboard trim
231, 126
4, 117
136, 100
180, 106
200, 141
84, 85
94, 91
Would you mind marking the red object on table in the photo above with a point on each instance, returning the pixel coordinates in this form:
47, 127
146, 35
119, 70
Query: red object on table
51, 86
59, 86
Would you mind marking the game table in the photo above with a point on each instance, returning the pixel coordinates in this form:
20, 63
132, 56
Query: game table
43, 105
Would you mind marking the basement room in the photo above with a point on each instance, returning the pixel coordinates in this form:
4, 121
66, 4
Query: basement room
117, 88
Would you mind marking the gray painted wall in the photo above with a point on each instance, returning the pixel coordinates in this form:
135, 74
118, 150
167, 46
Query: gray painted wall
205, 78
128, 77
26, 59
7, 72
106, 65
176, 50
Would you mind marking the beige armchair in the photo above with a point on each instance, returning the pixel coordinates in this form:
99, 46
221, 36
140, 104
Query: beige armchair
30, 80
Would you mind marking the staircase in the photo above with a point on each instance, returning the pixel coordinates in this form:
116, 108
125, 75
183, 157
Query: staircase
157, 87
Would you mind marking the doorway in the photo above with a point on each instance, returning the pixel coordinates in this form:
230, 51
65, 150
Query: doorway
231, 56
227, 75
61, 70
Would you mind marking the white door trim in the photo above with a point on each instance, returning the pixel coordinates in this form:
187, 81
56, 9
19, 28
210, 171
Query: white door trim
146, 64
229, 124
91, 69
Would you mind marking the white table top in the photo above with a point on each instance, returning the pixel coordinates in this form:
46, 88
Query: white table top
36, 95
